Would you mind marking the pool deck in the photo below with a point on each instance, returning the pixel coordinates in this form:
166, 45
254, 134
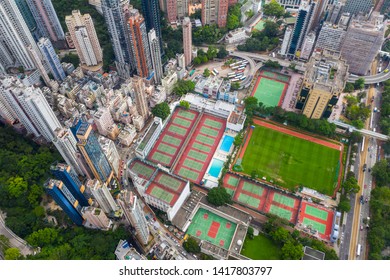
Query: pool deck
211, 181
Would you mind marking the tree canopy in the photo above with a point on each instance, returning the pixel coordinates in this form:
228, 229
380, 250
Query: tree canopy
183, 87
184, 104
191, 246
12, 254
273, 9
218, 196
381, 173
161, 110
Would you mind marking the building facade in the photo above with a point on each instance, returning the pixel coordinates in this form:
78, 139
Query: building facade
139, 44
93, 154
66, 175
330, 37
46, 18
62, 196
95, 218
155, 53
355, 7
171, 10
215, 12
83, 34
102, 195
187, 40
151, 13
140, 97
52, 60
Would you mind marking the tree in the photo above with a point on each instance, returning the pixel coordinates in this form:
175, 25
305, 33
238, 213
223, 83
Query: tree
271, 29
272, 64
359, 83
350, 185
161, 110
16, 186
280, 235
222, 52
212, 52
380, 172
355, 137
232, 22
12, 254
71, 58
183, 87
349, 87
218, 196
43, 237
191, 246
197, 61
250, 232
235, 86
206, 72
184, 104
273, 9
250, 104
238, 140
291, 251
344, 204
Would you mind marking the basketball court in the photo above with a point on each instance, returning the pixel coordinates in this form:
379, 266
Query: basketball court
206, 225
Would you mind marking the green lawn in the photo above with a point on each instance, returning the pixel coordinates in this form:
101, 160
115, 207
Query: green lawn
260, 247
291, 161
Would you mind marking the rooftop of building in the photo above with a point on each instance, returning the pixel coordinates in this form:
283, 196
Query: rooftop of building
210, 82
312, 254
152, 128
142, 169
213, 105
124, 251
327, 71
236, 118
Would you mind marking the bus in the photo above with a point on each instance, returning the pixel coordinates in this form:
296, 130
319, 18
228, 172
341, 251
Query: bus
216, 71
242, 78
192, 72
241, 67
231, 73
358, 250
235, 67
212, 72
239, 75
234, 80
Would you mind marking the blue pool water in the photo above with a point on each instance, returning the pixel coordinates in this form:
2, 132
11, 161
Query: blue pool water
216, 167
227, 143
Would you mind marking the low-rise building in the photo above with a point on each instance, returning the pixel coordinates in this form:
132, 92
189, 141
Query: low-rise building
124, 251
127, 135
209, 87
237, 36
150, 138
169, 81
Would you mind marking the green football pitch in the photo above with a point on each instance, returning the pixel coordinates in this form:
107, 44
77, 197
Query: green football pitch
269, 92
291, 161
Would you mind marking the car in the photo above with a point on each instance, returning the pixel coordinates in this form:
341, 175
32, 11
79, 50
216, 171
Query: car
364, 167
369, 170
361, 227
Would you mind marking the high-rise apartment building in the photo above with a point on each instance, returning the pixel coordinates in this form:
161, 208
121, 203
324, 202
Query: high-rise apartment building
52, 60
103, 120
66, 174
114, 16
330, 37
323, 83
65, 143
286, 40
102, 195
171, 10
39, 65
355, 7
140, 97
112, 155
84, 37
63, 197
289, 4
215, 12
187, 40
318, 11
182, 8
302, 27
30, 107
95, 218
155, 53
46, 18
335, 12
134, 215
151, 13
27, 16
15, 37
362, 42
139, 44
93, 154
307, 46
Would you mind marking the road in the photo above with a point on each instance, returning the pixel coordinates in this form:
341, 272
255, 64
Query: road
358, 236
15, 241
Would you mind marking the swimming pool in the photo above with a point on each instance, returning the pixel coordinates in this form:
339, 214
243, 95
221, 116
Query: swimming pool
226, 143
216, 167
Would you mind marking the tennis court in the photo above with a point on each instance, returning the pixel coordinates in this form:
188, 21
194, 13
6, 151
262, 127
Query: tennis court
278, 211
209, 131
162, 194
268, 91
252, 188
169, 182
260, 25
142, 169
282, 78
159, 157
171, 140
314, 225
268, 74
229, 191
212, 123
285, 200
166, 149
197, 155
251, 201
233, 181
205, 140
181, 122
315, 212
189, 174
186, 114
175, 129
193, 164
201, 147
209, 226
